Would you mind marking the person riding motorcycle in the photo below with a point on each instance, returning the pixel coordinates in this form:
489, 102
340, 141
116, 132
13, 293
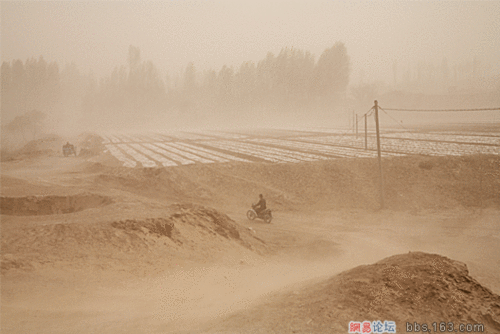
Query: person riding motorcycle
260, 206
69, 149
260, 211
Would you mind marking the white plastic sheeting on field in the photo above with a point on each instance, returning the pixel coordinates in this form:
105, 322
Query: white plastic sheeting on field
170, 155
161, 159
214, 153
184, 148
137, 156
484, 139
199, 153
169, 147
250, 150
120, 156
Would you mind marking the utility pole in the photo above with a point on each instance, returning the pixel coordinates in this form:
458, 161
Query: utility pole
379, 157
366, 133
481, 186
353, 121
356, 126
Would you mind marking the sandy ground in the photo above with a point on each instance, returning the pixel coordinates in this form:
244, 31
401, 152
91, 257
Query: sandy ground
202, 271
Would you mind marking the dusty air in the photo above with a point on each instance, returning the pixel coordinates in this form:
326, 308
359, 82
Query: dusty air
250, 167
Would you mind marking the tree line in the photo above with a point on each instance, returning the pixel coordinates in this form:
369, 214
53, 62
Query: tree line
291, 80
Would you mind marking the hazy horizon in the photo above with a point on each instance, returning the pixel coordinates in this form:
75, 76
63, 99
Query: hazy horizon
96, 35
183, 64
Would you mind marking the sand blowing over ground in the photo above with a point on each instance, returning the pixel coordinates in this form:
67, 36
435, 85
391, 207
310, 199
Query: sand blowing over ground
89, 246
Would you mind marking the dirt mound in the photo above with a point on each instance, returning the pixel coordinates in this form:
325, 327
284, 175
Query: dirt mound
49, 145
188, 233
159, 226
206, 218
49, 205
90, 145
87, 145
415, 287
178, 184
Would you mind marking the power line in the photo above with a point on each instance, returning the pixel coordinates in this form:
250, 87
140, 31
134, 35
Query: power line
342, 136
366, 113
442, 110
395, 120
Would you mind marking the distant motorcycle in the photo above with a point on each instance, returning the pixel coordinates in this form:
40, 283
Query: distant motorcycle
68, 150
265, 215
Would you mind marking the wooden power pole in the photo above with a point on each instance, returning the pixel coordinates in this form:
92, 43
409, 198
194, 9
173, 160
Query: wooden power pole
379, 157
356, 126
353, 122
366, 133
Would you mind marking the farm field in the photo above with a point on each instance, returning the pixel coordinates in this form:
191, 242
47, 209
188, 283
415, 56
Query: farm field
182, 148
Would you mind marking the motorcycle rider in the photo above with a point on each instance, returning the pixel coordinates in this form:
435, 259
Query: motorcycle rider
69, 149
261, 205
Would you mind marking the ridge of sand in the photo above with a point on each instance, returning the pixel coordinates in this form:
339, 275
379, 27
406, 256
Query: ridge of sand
190, 232
411, 183
414, 287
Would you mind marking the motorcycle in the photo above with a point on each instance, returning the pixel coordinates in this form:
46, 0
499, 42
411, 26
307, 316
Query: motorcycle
265, 215
69, 150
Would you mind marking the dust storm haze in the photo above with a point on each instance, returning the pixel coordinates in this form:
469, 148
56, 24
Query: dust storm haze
136, 138
129, 65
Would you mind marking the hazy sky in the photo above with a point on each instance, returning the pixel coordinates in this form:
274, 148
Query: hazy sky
96, 35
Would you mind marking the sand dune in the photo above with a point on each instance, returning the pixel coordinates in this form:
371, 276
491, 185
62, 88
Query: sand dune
410, 288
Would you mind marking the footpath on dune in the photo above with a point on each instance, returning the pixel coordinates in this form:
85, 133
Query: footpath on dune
410, 288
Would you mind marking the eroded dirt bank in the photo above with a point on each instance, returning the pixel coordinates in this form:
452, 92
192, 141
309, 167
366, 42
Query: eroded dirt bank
49, 205
411, 183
